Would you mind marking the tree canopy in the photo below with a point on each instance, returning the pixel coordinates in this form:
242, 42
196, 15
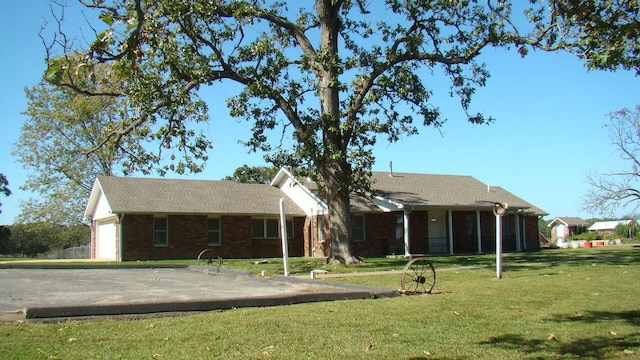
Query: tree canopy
4, 187
253, 174
60, 145
321, 83
604, 33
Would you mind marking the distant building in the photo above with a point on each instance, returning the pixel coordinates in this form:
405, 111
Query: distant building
610, 226
563, 227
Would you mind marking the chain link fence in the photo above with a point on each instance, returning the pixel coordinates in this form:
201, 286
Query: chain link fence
78, 252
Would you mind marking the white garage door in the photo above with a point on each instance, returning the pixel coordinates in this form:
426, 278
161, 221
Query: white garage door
106, 241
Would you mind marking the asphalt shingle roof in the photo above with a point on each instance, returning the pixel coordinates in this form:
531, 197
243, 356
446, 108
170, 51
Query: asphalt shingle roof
175, 196
445, 191
573, 221
183, 196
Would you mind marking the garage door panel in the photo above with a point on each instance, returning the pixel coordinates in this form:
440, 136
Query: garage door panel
106, 241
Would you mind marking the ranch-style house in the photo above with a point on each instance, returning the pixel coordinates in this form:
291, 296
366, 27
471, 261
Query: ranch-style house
407, 214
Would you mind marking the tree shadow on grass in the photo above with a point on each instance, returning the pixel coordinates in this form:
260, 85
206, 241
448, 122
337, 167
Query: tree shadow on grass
631, 317
596, 347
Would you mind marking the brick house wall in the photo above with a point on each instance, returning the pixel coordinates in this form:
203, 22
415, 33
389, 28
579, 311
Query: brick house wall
418, 233
268, 248
312, 245
531, 233
188, 237
488, 231
92, 239
379, 235
464, 226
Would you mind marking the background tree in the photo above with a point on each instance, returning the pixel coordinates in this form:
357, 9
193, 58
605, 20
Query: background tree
61, 128
619, 189
60, 141
334, 77
4, 187
33, 239
6, 247
253, 174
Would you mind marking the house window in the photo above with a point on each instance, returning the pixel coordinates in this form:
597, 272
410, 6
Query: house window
270, 228
160, 231
357, 227
321, 230
213, 232
399, 227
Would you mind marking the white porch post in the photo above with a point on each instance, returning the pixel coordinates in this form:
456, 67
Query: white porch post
498, 211
407, 248
450, 221
499, 246
283, 233
478, 231
518, 237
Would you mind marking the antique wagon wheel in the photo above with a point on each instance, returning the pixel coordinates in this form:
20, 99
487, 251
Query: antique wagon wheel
418, 276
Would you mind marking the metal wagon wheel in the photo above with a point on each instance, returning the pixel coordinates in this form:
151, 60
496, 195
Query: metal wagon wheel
418, 276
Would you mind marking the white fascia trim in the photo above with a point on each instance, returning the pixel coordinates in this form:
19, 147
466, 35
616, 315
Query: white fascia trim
284, 173
387, 204
96, 190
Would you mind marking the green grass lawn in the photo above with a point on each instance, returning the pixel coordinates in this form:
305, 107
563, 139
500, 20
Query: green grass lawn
571, 304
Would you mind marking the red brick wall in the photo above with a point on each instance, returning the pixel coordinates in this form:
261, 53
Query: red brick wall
379, 235
464, 227
236, 238
265, 248
312, 245
92, 243
531, 233
488, 232
418, 233
188, 237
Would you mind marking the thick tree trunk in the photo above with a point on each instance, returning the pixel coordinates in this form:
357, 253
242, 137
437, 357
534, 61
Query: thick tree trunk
336, 177
332, 163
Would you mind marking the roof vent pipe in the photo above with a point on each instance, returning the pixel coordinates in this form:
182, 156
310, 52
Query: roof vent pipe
391, 168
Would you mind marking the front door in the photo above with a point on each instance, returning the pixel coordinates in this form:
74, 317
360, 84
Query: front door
437, 232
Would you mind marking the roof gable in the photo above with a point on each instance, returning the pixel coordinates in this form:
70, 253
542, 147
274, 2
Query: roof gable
568, 221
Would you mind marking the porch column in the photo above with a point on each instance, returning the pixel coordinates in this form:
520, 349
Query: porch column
478, 231
499, 210
518, 238
450, 221
407, 248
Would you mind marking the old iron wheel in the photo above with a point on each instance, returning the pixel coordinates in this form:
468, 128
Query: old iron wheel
418, 276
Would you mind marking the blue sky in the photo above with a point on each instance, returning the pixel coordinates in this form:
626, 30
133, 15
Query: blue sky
548, 134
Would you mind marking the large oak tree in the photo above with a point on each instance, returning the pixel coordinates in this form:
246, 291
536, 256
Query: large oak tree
332, 75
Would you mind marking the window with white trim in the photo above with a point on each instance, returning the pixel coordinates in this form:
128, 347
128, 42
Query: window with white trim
399, 227
160, 231
321, 229
214, 237
357, 228
270, 228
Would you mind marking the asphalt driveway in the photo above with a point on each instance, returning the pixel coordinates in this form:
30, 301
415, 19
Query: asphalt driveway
50, 291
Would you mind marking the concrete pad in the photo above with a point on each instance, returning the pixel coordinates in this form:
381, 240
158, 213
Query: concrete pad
51, 291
